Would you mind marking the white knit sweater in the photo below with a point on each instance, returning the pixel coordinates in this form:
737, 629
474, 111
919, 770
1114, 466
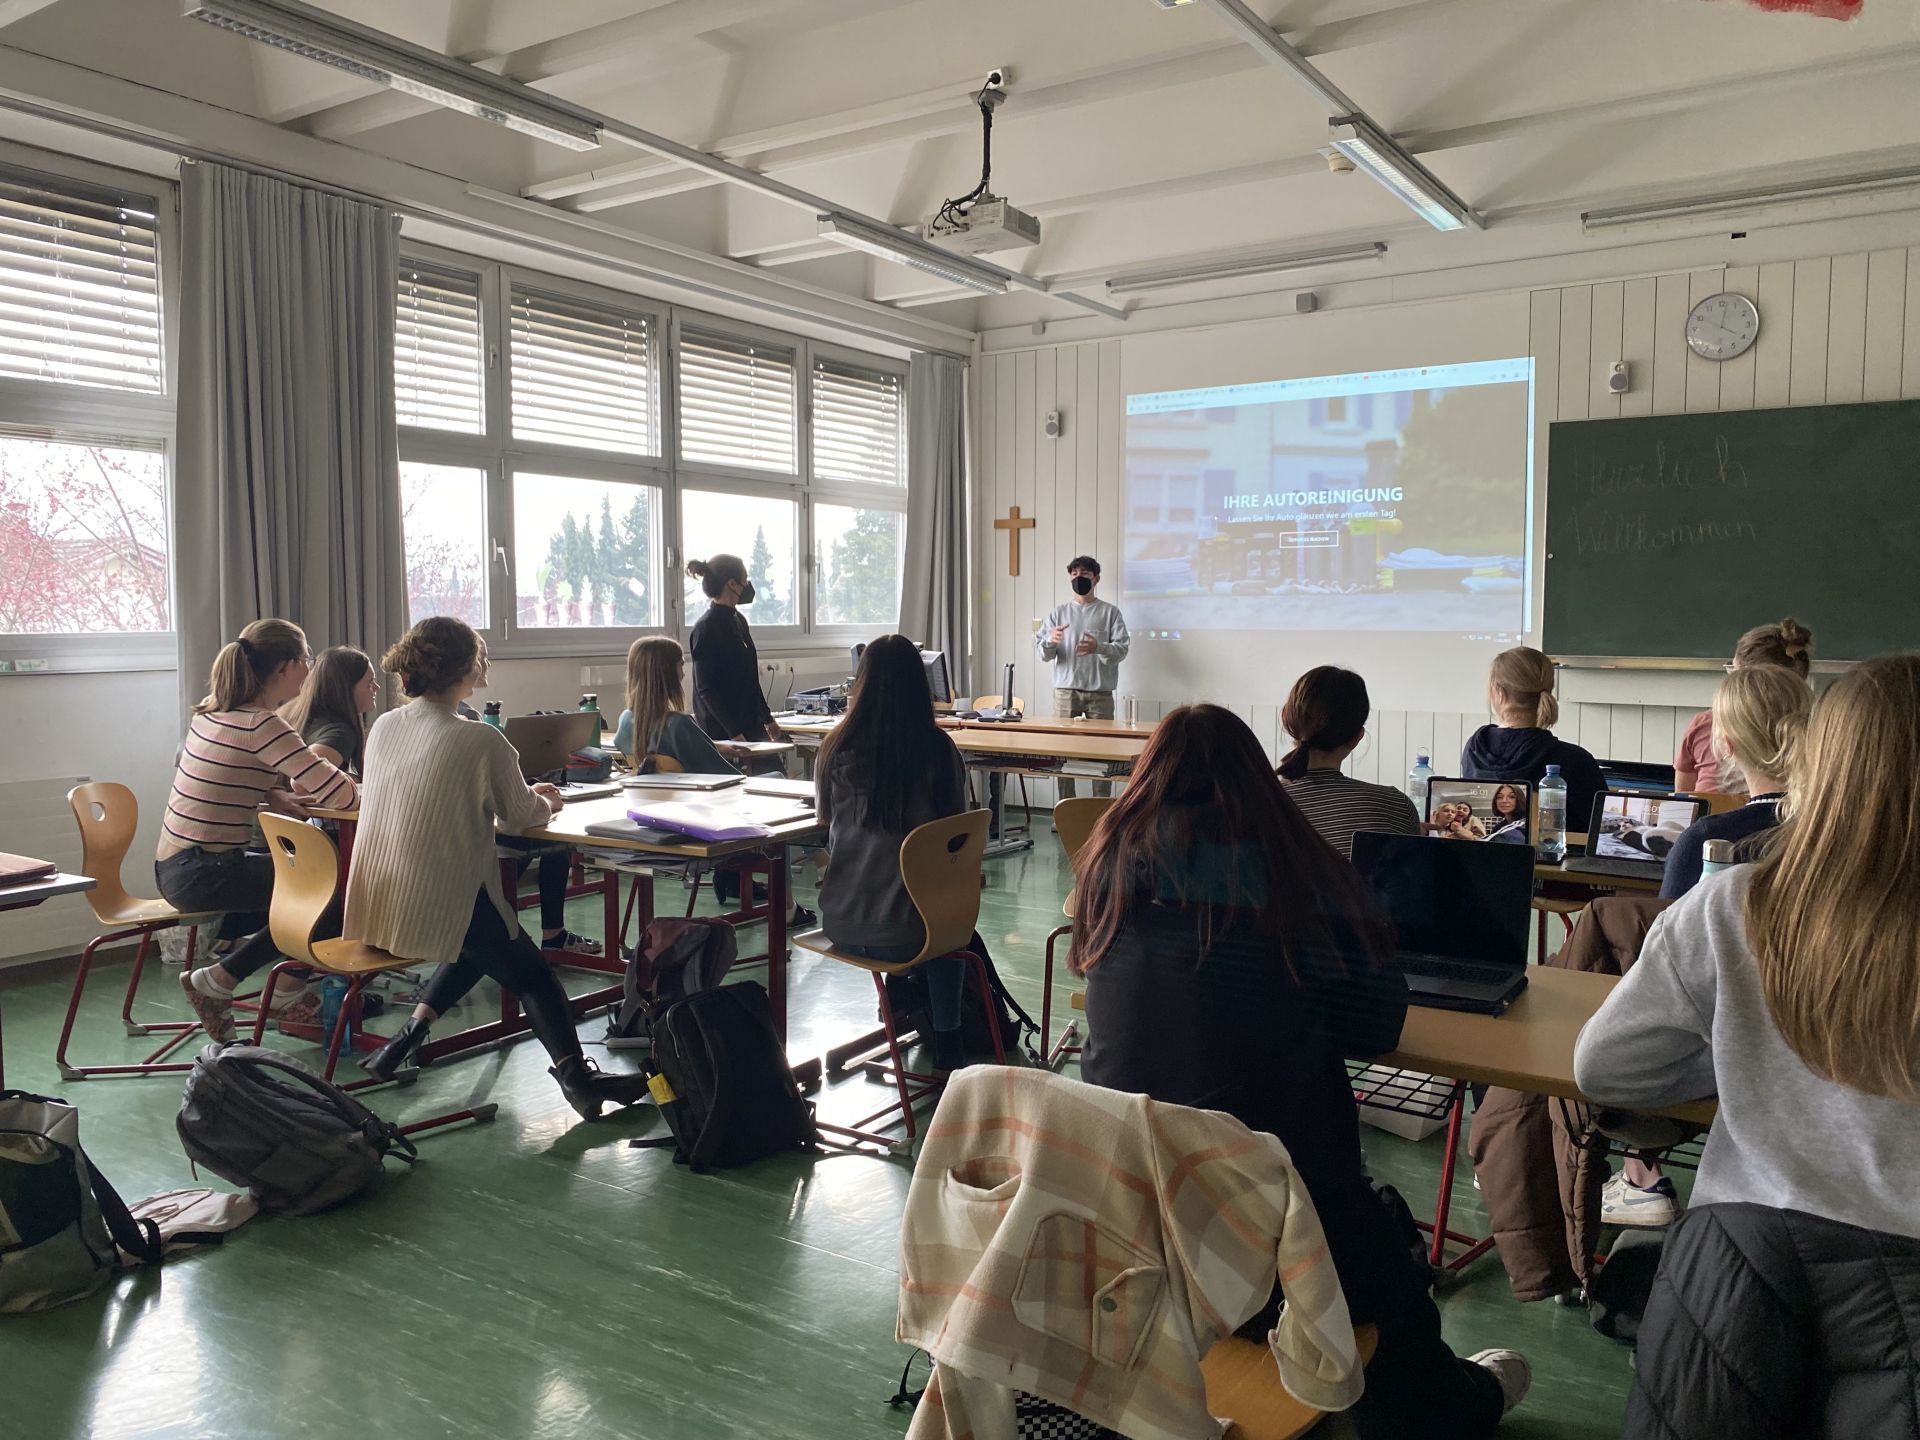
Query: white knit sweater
434, 788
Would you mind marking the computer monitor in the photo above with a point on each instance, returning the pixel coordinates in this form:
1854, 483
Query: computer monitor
938, 680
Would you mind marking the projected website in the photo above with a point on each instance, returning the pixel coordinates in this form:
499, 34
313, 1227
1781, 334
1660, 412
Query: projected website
1393, 500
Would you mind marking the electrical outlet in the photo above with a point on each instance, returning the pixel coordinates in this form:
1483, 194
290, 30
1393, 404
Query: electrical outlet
6, 667
31, 667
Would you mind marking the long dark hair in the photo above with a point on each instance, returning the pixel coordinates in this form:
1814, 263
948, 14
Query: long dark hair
888, 733
328, 695
1203, 784
1326, 708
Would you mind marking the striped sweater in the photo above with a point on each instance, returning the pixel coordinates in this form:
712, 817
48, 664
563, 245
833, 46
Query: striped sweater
436, 786
1339, 807
228, 762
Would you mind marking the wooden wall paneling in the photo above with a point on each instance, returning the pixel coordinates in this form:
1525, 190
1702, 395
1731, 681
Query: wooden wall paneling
1736, 376
1773, 354
1847, 330
1576, 334
1609, 304
1659, 734
1450, 731
1591, 727
1066, 461
979, 510
1395, 757
1812, 288
1671, 301
1364, 763
1025, 433
1006, 492
1088, 420
1113, 422
1910, 351
1626, 733
1887, 303
1636, 344
1703, 376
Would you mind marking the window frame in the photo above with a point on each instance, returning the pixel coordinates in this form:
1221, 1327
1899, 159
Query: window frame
97, 415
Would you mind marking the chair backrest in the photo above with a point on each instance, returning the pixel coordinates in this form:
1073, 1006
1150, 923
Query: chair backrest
1073, 820
107, 815
940, 866
306, 876
1719, 802
992, 702
666, 765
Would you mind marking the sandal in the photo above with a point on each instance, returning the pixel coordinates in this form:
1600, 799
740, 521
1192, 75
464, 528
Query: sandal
305, 1010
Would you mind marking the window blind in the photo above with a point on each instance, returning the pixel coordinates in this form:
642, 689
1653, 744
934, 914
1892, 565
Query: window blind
438, 372
79, 285
859, 423
736, 403
584, 374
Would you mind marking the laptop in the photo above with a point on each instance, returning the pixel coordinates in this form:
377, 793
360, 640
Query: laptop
1460, 913
1495, 810
785, 789
683, 780
1631, 834
544, 742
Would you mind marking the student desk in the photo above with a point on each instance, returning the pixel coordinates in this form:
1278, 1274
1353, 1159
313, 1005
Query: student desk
37, 892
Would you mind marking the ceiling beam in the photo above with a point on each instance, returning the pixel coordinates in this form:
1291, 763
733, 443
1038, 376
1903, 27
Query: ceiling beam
14, 10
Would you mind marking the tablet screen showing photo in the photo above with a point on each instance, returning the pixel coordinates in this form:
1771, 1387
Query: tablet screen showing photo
1494, 810
1641, 827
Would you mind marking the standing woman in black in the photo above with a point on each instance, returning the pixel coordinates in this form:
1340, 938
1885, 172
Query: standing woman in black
727, 700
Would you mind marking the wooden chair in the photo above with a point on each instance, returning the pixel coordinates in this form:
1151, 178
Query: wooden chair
108, 815
940, 866
1073, 822
1719, 802
306, 878
1243, 1387
992, 702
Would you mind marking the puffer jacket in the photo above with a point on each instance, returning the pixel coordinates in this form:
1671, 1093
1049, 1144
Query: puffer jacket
1771, 1324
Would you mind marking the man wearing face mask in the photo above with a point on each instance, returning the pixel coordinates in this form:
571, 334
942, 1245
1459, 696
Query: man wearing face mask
1085, 640
727, 700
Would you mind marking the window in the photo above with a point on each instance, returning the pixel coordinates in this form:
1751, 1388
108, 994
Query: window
438, 378
736, 403
85, 424
857, 558
859, 424
584, 374
585, 553
443, 516
713, 523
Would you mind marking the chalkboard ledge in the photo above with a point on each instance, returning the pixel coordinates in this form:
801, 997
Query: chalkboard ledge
1673, 662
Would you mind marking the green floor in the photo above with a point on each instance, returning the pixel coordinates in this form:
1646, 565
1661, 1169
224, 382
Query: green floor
535, 1277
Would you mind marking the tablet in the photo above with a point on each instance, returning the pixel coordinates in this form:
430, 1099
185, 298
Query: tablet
1491, 810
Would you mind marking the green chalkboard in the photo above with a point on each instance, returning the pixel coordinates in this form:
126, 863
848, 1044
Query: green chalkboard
1668, 536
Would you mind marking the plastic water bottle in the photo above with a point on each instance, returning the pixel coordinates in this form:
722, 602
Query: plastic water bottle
1552, 843
1417, 779
333, 992
1715, 856
491, 715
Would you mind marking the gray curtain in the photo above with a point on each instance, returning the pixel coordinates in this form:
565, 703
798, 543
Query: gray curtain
287, 467
933, 594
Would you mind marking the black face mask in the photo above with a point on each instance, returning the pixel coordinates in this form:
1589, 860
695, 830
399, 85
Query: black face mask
746, 594
1083, 584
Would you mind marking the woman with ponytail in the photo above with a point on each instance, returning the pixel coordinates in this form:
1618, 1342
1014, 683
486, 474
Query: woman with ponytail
1326, 714
1522, 744
238, 756
1696, 765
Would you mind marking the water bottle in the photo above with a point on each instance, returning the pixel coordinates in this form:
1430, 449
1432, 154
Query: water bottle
1552, 843
1417, 779
1715, 856
333, 992
591, 703
490, 715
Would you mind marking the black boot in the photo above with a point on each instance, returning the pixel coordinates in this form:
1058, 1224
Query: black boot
948, 1051
587, 1088
383, 1063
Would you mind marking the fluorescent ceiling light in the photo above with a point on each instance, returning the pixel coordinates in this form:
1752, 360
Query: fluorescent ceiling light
1247, 265
1729, 202
387, 60
905, 249
1387, 161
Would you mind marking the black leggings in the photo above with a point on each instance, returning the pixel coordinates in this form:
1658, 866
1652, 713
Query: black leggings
490, 949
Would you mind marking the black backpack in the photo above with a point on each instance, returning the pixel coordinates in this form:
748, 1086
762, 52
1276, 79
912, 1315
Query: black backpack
299, 1143
913, 1010
680, 958
723, 1083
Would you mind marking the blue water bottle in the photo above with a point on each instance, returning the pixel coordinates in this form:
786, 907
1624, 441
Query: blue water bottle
1552, 843
333, 994
1717, 855
1417, 779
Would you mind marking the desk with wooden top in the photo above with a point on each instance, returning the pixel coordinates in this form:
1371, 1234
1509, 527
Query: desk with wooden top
38, 892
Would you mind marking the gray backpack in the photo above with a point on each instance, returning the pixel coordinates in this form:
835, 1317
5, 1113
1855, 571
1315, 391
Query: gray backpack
62, 1226
299, 1143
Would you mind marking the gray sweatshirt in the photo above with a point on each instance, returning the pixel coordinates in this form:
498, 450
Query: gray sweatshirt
1689, 1020
1099, 671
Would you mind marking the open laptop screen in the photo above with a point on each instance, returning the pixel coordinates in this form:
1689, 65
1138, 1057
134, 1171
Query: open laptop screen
1459, 902
1495, 810
1639, 827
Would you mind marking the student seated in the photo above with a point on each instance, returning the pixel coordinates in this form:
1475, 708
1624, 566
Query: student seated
237, 756
1522, 745
1233, 963
1790, 987
884, 771
332, 709
1326, 714
424, 883
1696, 765
1759, 714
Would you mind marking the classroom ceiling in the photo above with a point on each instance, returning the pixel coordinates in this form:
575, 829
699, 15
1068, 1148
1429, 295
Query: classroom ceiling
1140, 135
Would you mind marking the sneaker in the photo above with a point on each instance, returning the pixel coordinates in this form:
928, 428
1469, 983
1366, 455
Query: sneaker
288, 995
1513, 1372
802, 918
1630, 1206
214, 1012
569, 940
305, 1010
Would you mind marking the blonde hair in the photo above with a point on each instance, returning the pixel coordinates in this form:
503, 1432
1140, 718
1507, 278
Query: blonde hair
654, 688
244, 666
1759, 716
1833, 914
1788, 643
1521, 682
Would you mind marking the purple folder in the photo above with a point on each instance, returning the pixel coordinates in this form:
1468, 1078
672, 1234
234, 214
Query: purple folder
711, 823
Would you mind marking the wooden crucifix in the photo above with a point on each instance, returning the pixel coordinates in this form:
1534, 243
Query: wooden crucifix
1013, 525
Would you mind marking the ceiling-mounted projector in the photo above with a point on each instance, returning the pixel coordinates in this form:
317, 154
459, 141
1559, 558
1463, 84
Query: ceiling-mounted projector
980, 221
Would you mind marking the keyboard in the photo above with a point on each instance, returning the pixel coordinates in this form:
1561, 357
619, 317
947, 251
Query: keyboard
1607, 865
1434, 968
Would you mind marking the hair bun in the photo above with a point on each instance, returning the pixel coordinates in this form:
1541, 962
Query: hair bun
697, 569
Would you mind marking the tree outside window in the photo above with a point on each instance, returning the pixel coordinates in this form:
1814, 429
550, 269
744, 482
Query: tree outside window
585, 553
83, 539
857, 559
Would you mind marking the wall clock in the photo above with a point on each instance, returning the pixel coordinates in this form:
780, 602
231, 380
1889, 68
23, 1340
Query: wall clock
1722, 327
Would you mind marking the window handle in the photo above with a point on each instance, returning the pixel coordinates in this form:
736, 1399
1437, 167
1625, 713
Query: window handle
500, 559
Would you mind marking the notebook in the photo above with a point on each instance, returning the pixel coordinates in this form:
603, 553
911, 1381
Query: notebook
23, 869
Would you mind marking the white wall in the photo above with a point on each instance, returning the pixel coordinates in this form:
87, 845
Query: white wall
1834, 329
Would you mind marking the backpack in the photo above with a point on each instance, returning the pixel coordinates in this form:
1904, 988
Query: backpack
681, 958
1620, 1289
722, 1081
62, 1226
299, 1143
913, 1010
